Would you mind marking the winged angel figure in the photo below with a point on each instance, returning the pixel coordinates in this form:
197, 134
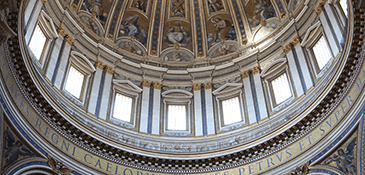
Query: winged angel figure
344, 158
58, 166
14, 149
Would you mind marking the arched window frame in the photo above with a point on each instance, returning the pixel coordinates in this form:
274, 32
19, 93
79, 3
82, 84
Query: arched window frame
226, 92
82, 64
340, 12
313, 35
269, 74
177, 97
46, 25
128, 89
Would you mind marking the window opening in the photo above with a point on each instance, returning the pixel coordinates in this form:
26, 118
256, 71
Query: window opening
322, 53
122, 107
231, 111
176, 117
74, 83
37, 42
281, 88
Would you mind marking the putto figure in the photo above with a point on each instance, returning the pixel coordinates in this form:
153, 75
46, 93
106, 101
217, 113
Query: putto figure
344, 158
215, 5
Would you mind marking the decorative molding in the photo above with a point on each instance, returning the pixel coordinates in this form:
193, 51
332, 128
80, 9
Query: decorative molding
44, 1
300, 170
57, 166
62, 32
320, 7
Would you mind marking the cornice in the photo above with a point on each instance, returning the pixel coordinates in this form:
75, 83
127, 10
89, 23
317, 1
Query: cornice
303, 126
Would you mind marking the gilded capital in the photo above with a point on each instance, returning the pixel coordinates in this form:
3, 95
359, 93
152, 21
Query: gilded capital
296, 41
255, 70
208, 85
43, 1
287, 48
146, 83
157, 85
109, 70
197, 87
69, 40
62, 32
245, 74
100, 65
320, 7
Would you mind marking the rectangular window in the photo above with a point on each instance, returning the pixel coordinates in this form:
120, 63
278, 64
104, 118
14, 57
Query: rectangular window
74, 82
231, 111
176, 119
37, 42
343, 4
122, 107
322, 52
281, 88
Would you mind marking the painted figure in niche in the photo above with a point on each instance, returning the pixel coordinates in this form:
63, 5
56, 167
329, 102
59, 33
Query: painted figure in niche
141, 5
178, 8
90, 24
177, 57
131, 47
223, 30
344, 158
130, 27
224, 50
98, 8
215, 5
177, 35
258, 12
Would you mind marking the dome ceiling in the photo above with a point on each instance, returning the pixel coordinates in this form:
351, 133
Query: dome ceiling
183, 31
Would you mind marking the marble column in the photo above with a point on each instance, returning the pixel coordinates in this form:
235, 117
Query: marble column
334, 22
57, 79
33, 20
209, 109
143, 124
198, 120
307, 77
260, 96
156, 108
331, 38
105, 95
55, 54
252, 118
96, 87
294, 70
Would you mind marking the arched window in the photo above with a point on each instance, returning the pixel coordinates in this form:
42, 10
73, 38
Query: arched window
344, 6
74, 82
176, 117
122, 107
281, 88
322, 52
37, 42
231, 111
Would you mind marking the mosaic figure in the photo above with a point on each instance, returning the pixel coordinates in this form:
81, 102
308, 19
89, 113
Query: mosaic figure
177, 35
131, 27
344, 158
258, 12
98, 8
178, 8
223, 30
131, 47
177, 57
141, 5
224, 50
215, 5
